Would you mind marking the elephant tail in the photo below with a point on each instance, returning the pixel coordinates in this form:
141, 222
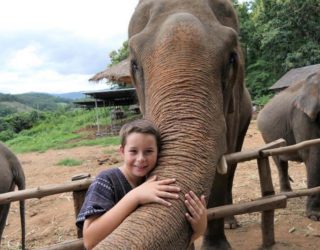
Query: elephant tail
19, 180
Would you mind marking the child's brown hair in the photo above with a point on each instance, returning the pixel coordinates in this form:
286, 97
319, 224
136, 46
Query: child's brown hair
140, 126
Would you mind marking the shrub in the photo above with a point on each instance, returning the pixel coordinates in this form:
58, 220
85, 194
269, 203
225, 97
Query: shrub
7, 135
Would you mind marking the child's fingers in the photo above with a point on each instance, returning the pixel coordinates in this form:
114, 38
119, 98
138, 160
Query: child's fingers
162, 201
194, 197
169, 188
189, 218
194, 202
152, 178
203, 201
167, 195
192, 210
166, 181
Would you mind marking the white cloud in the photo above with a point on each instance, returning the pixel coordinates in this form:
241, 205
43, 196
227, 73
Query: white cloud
25, 59
94, 19
47, 81
57, 45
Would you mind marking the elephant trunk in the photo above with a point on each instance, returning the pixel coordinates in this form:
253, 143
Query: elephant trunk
191, 149
192, 128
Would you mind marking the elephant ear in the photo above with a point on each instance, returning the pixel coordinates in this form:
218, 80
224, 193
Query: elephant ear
308, 101
233, 77
140, 17
225, 13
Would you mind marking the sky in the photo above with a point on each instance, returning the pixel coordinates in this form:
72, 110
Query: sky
55, 46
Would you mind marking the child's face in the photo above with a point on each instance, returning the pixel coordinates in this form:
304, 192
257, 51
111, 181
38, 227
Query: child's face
139, 154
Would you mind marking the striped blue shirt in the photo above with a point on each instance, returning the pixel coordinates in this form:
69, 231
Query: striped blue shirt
106, 190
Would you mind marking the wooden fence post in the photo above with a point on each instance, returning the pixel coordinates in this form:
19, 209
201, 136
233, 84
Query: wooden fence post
78, 198
267, 217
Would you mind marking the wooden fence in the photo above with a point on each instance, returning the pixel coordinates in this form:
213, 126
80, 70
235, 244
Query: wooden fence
266, 204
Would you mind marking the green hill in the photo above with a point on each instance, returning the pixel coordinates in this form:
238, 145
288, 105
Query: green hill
12, 107
10, 104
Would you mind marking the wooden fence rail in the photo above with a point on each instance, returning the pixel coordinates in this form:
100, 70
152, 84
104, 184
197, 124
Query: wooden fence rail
267, 204
43, 191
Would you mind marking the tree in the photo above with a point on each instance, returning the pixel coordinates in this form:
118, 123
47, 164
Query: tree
278, 36
119, 55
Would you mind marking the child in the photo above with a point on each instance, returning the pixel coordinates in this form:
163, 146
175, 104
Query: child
116, 193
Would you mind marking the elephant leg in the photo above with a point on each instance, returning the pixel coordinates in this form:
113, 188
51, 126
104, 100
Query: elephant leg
214, 237
4, 210
313, 177
230, 222
284, 178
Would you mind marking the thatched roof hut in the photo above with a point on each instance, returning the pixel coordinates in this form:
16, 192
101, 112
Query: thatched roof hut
295, 75
117, 73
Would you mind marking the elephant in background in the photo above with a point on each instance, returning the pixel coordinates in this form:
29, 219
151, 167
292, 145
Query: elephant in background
294, 115
187, 68
11, 174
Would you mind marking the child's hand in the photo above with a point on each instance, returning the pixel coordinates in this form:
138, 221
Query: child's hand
156, 191
197, 215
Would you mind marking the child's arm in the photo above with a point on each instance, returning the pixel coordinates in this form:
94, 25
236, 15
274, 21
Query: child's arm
96, 228
197, 214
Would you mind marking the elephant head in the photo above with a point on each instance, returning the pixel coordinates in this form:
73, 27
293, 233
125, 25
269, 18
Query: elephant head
308, 99
187, 68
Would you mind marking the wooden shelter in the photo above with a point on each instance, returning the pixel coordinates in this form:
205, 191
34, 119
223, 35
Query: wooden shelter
110, 98
114, 97
117, 73
293, 76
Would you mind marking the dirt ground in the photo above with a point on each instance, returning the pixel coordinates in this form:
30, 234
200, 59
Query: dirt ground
50, 220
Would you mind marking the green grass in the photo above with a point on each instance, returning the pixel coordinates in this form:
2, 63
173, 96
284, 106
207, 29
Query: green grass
69, 162
103, 141
59, 131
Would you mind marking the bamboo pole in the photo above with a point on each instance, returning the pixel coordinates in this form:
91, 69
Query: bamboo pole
262, 204
30, 193
78, 198
274, 148
301, 192
267, 216
42, 191
291, 148
66, 245
252, 154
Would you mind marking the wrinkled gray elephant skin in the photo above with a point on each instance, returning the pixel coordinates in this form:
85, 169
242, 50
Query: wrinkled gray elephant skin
187, 68
294, 115
11, 175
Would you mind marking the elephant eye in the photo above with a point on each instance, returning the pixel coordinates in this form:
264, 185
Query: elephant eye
233, 57
228, 70
134, 66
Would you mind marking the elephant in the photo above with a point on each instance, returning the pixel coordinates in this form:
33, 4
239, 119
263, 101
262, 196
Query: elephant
294, 115
11, 174
188, 70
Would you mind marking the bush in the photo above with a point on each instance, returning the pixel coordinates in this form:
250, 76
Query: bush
7, 135
24, 120
263, 100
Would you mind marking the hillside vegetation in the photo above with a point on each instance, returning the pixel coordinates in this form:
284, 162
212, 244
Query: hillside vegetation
10, 104
60, 129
